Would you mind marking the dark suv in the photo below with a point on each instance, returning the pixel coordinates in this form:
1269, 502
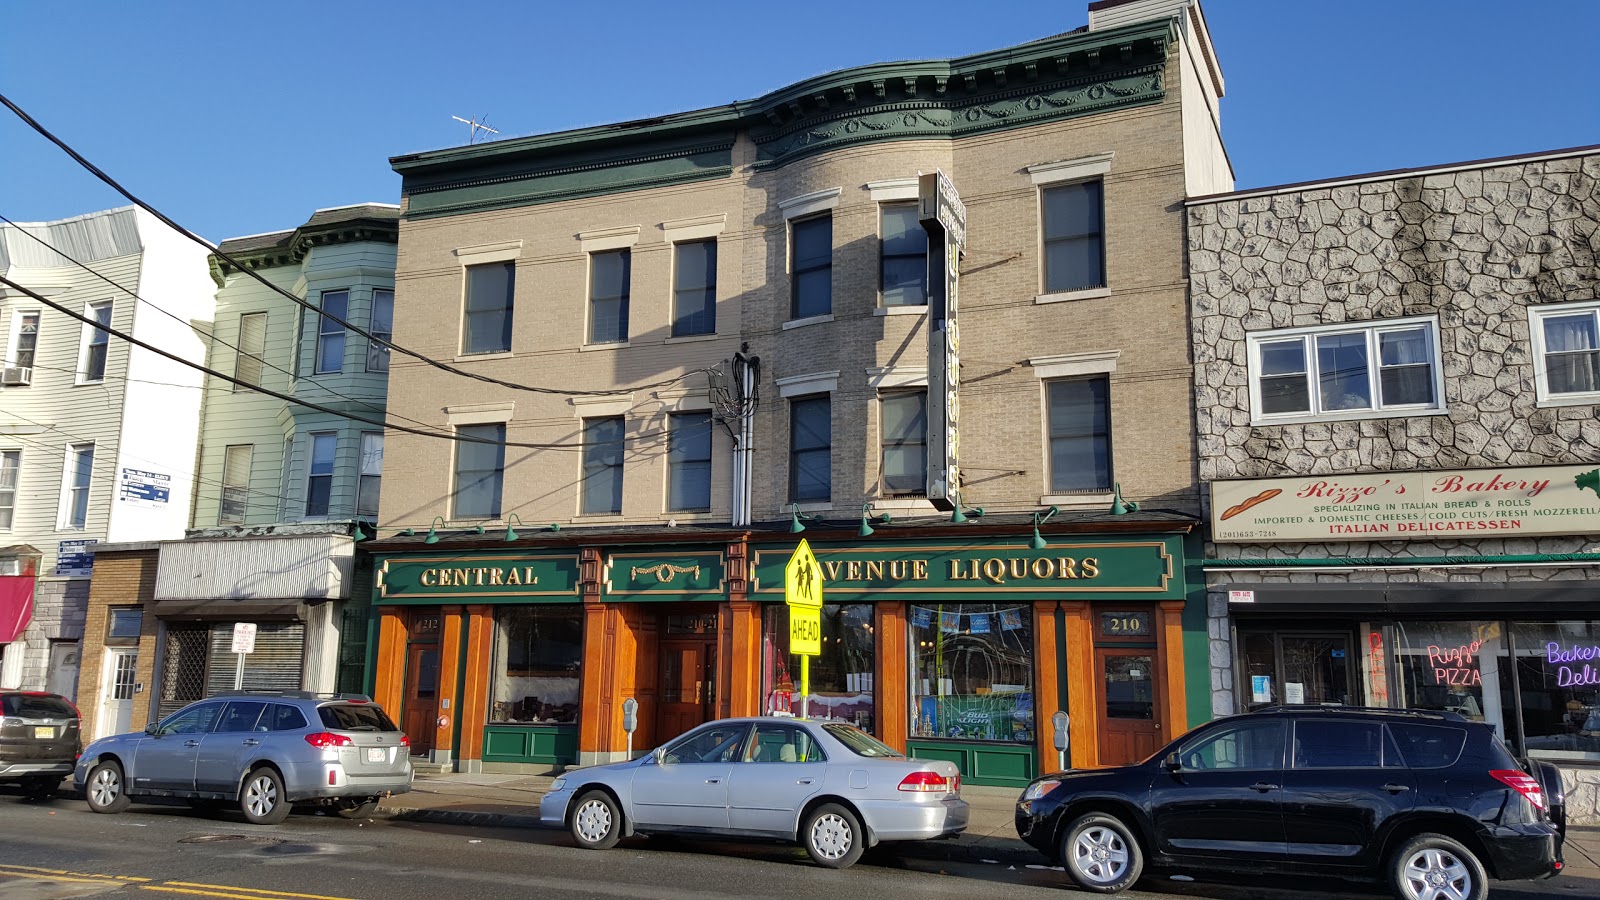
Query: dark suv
38, 741
1430, 803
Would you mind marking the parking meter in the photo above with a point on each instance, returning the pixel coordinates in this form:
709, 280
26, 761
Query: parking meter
630, 721
1058, 722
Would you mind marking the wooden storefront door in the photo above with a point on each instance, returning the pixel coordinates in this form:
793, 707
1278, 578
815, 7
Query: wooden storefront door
688, 685
420, 703
1129, 707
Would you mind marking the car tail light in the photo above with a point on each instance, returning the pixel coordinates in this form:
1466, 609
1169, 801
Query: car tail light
1524, 784
333, 778
955, 786
322, 740
925, 782
405, 741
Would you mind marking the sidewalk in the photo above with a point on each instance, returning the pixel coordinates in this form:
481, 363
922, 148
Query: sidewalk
512, 801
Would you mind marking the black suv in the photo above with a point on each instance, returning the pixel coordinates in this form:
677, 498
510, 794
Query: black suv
38, 741
1430, 803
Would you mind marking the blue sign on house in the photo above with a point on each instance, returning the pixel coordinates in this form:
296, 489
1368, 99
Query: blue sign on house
75, 558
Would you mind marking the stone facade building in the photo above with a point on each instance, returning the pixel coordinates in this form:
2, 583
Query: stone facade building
727, 316
1397, 380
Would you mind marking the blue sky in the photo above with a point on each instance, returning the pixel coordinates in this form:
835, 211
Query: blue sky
238, 118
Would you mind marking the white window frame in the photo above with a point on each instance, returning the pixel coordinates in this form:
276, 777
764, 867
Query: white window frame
64, 516
232, 490
87, 339
377, 354
256, 359
1541, 374
365, 461
1055, 174
311, 462
16, 485
15, 336
324, 331
1372, 330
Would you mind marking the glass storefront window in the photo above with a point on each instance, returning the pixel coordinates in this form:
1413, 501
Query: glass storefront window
841, 678
972, 672
537, 659
1451, 666
1558, 674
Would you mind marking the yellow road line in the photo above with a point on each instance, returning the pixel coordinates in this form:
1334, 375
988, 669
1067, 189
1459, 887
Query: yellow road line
6, 869
229, 887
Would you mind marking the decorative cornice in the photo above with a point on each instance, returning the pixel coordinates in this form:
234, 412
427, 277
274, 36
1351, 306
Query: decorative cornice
301, 242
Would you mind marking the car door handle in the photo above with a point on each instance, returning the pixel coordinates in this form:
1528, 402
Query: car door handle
191, 743
805, 781
252, 742
713, 781
1393, 788
1263, 787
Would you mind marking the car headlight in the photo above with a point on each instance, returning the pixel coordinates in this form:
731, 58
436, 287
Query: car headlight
1039, 789
558, 784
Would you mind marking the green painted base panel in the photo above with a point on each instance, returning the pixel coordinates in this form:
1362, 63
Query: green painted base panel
1003, 765
555, 745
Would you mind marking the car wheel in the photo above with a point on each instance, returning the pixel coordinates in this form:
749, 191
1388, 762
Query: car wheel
1100, 854
106, 791
596, 821
357, 809
40, 788
1434, 867
262, 800
833, 836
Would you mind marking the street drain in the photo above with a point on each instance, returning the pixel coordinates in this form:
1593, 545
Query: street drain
212, 838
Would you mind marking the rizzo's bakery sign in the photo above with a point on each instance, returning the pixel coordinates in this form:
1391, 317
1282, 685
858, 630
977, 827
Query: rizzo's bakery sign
1386, 506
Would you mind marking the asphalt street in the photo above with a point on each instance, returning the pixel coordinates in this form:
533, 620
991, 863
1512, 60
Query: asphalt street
61, 850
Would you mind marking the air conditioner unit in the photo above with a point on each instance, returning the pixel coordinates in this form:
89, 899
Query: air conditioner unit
18, 376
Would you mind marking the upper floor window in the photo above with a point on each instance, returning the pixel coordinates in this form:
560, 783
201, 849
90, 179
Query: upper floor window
330, 334
1346, 371
602, 466
10, 468
811, 449
96, 341
236, 461
904, 256
371, 474
1074, 236
811, 267
608, 296
694, 288
24, 340
490, 298
1566, 344
319, 483
689, 462
1079, 415
382, 325
480, 470
249, 360
903, 470
75, 483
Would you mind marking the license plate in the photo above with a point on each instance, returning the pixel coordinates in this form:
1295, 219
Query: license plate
44, 732
377, 755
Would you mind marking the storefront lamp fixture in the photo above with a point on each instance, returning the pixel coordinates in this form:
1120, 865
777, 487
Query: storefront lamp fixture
796, 520
433, 533
1037, 543
958, 515
360, 533
510, 534
867, 519
1118, 506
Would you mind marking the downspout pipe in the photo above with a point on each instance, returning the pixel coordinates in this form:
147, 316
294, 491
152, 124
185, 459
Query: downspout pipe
1349, 562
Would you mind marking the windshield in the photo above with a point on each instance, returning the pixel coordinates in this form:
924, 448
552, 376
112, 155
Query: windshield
861, 743
347, 717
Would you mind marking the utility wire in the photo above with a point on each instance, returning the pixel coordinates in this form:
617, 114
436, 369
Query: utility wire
210, 248
378, 408
306, 403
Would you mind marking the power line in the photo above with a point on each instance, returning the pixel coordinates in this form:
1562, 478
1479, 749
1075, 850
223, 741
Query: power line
193, 327
305, 403
112, 183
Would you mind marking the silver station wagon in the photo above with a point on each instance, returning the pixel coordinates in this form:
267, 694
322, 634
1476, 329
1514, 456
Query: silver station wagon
265, 751
832, 787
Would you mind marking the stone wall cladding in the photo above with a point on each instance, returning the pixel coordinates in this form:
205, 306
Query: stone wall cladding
58, 609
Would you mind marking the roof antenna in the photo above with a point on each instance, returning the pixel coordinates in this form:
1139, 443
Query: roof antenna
475, 127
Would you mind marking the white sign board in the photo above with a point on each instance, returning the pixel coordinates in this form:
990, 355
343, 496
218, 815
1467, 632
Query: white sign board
244, 637
1241, 596
1389, 506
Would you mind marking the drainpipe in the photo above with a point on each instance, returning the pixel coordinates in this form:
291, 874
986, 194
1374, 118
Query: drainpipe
747, 370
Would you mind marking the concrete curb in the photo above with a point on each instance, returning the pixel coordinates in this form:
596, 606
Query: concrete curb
998, 850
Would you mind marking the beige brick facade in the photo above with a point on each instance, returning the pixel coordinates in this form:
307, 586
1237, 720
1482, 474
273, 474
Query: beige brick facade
1143, 322
126, 578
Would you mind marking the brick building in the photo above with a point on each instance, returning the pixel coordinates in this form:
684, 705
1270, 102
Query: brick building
1397, 384
730, 311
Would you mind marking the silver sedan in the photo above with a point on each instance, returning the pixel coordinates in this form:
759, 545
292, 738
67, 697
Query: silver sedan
832, 787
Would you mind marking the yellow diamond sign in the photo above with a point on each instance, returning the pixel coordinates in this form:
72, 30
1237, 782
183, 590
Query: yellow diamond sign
802, 590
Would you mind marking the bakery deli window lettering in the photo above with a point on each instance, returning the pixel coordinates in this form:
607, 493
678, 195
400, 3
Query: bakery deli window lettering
842, 686
538, 652
1558, 675
972, 672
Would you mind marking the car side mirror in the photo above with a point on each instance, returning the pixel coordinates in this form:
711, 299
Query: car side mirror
660, 755
150, 728
1172, 763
